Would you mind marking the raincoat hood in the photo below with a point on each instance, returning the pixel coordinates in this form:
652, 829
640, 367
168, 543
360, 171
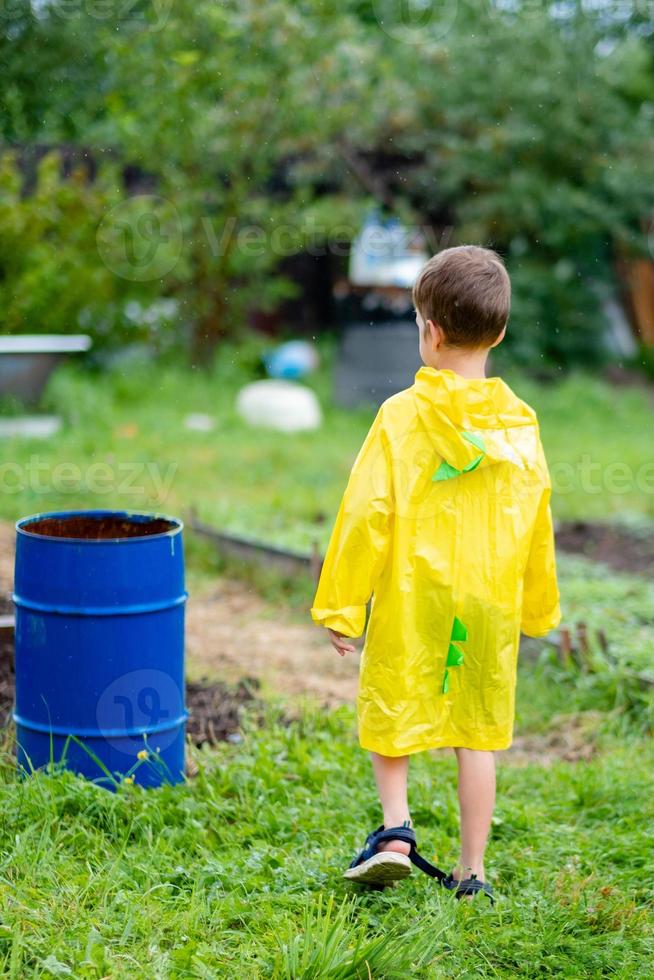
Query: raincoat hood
474, 422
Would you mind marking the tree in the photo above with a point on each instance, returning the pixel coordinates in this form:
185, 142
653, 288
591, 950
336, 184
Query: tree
517, 131
52, 72
51, 276
229, 108
258, 128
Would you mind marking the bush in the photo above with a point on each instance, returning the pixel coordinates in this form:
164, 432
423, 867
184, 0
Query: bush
52, 276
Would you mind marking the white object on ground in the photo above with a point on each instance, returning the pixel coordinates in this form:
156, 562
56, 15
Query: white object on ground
198, 422
30, 426
45, 343
282, 405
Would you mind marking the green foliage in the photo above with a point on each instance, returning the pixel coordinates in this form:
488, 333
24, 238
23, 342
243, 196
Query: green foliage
531, 146
260, 128
555, 318
645, 360
615, 677
221, 123
52, 60
52, 279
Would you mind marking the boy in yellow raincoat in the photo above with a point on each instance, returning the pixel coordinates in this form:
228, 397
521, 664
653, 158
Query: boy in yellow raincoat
445, 524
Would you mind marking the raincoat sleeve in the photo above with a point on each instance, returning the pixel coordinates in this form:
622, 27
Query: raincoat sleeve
540, 599
359, 542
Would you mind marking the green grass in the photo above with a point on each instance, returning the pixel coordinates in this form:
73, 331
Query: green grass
595, 439
124, 444
622, 606
238, 873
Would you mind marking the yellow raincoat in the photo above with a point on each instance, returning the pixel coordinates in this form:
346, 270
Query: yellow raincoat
445, 522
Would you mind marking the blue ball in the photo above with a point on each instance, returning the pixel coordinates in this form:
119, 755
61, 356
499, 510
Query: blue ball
291, 360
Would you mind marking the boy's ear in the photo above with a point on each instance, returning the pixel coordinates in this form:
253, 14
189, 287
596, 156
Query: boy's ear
500, 338
436, 334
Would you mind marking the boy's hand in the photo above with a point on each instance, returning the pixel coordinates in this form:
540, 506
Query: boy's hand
341, 643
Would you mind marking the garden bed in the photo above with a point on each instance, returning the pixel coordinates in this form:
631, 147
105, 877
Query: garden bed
215, 709
622, 549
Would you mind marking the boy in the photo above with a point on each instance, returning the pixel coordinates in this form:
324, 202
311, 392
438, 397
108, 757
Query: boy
445, 522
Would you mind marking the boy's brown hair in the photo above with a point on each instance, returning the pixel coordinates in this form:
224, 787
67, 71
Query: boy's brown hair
467, 291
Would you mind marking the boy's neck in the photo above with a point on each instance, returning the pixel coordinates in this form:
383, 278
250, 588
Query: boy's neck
468, 364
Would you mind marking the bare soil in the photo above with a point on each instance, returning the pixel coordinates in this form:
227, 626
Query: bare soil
231, 631
622, 550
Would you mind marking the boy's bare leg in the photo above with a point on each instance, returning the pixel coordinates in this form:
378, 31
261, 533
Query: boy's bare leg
476, 802
391, 775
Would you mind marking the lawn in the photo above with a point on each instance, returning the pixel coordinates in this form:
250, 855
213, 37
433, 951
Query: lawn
237, 874
124, 443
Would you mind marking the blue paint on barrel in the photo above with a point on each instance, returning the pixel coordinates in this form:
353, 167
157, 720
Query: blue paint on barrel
100, 650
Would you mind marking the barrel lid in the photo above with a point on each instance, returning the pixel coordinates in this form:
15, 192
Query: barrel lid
177, 525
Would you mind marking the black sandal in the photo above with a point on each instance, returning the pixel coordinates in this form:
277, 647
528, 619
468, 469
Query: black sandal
468, 886
379, 868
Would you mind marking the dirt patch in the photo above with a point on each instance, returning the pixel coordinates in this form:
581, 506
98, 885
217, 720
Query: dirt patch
215, 708
231, 631
622, 550
98, 528
571, 738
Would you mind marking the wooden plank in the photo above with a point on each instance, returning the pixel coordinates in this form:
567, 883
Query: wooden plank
636, 279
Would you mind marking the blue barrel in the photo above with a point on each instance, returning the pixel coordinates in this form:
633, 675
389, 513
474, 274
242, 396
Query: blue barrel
100, 686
